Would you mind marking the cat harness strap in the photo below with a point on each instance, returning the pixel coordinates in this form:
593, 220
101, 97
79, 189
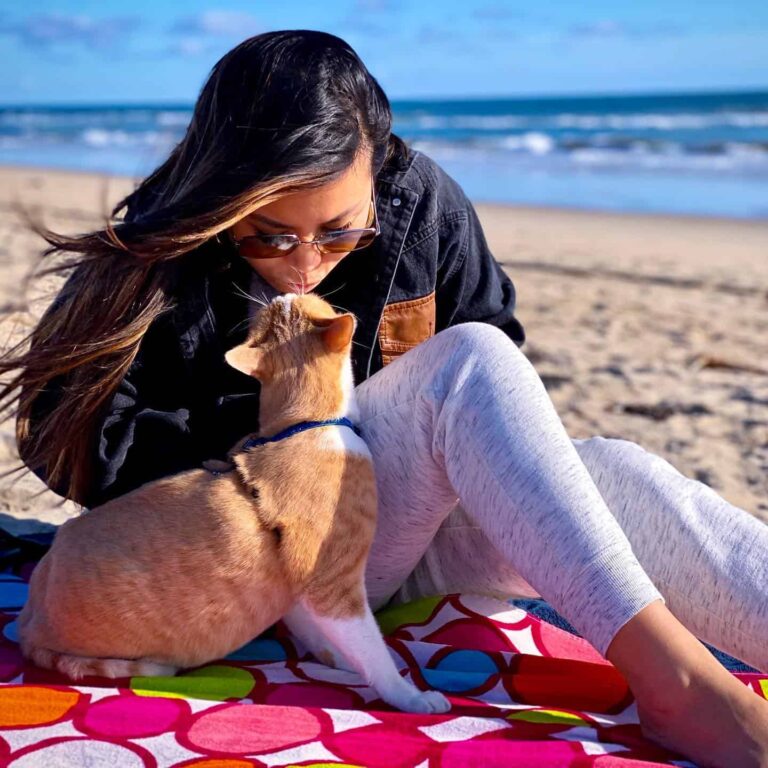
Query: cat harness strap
220, 467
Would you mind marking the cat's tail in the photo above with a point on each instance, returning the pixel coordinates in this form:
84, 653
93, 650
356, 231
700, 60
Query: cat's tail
76, 667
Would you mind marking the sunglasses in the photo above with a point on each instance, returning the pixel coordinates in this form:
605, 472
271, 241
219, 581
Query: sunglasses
335, 241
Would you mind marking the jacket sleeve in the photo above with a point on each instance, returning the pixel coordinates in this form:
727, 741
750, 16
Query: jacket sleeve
471, 285
144, 432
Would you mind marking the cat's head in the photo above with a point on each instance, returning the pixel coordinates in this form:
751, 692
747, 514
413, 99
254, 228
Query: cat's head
293, 337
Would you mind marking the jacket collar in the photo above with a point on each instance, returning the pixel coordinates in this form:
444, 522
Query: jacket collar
397, 204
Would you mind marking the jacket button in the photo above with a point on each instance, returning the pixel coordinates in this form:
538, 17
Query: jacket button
396, 201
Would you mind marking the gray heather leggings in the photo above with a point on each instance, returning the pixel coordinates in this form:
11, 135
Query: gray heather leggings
598, 527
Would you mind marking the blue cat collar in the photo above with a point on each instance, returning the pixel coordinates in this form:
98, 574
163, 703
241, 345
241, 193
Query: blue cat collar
300, 427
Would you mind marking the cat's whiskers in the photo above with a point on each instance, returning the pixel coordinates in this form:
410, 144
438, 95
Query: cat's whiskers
247, 295
245, 321
330, 293
345, 311
301, 278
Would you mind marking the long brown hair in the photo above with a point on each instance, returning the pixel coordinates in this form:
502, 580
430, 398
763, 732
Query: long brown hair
282, 111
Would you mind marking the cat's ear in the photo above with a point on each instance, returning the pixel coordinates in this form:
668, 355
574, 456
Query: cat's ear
336, 331
250, 360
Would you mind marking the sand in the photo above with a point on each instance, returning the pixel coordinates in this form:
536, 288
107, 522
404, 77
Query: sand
647, 328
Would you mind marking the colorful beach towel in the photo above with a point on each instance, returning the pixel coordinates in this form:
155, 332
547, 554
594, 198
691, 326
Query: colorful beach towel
524, 693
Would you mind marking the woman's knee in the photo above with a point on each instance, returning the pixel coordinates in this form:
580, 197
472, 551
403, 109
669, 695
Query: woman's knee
480, 345
475, 336
599, 447
613, 459
470, 351
468, 354
479, 355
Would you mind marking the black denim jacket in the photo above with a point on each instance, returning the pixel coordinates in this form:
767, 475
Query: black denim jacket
180, 403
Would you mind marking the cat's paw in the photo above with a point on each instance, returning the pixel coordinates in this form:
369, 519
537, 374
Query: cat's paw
424, 702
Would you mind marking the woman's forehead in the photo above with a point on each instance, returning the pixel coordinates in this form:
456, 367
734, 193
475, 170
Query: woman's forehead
325, 204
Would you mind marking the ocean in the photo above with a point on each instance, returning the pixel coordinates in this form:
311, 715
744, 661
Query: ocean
703, 154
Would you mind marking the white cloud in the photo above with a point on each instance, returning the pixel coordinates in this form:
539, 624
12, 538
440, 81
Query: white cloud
376, 6
189, 46
601, 28
54, 29
203, 33
219, 24
495, 12
610, 28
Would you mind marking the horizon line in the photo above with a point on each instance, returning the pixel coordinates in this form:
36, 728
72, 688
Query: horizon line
740, 90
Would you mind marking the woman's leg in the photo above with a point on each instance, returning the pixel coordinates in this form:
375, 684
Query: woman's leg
685, 699
461, 557
707, 557
464, 415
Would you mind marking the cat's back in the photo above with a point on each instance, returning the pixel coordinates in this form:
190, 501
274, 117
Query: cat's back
179, 511
170, 529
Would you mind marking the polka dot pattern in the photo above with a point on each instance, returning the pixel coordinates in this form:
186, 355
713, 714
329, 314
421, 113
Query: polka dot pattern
216, 682
131, 717
13, 593
250, 730
34, 705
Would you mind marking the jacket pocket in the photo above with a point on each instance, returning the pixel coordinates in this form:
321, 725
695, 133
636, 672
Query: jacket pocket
404, 324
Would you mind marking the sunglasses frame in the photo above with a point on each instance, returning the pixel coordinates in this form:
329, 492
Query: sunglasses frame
319, 241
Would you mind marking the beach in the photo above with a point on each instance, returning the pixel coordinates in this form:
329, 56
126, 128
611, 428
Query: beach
644, 327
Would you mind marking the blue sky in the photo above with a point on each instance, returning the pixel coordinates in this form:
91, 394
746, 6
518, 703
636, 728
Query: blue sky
105, 51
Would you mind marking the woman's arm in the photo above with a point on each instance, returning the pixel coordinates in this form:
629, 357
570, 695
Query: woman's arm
145, 434
145, 430
472, 286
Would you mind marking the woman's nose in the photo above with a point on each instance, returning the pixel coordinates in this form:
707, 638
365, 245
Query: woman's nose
305, 257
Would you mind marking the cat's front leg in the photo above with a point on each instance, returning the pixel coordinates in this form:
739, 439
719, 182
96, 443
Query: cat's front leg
356, 643
302, 625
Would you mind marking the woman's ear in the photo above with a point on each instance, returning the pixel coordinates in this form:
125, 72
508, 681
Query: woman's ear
336, 331
250, 360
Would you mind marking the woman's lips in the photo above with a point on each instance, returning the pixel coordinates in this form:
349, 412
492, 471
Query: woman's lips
304, 287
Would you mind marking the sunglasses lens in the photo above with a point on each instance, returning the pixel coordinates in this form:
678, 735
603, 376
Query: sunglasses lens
265, 247
275, 246
348, 241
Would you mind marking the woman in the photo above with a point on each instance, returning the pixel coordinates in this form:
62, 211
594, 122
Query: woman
290, 179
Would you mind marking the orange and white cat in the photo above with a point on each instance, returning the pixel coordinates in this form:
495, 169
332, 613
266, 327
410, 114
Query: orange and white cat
189, 568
